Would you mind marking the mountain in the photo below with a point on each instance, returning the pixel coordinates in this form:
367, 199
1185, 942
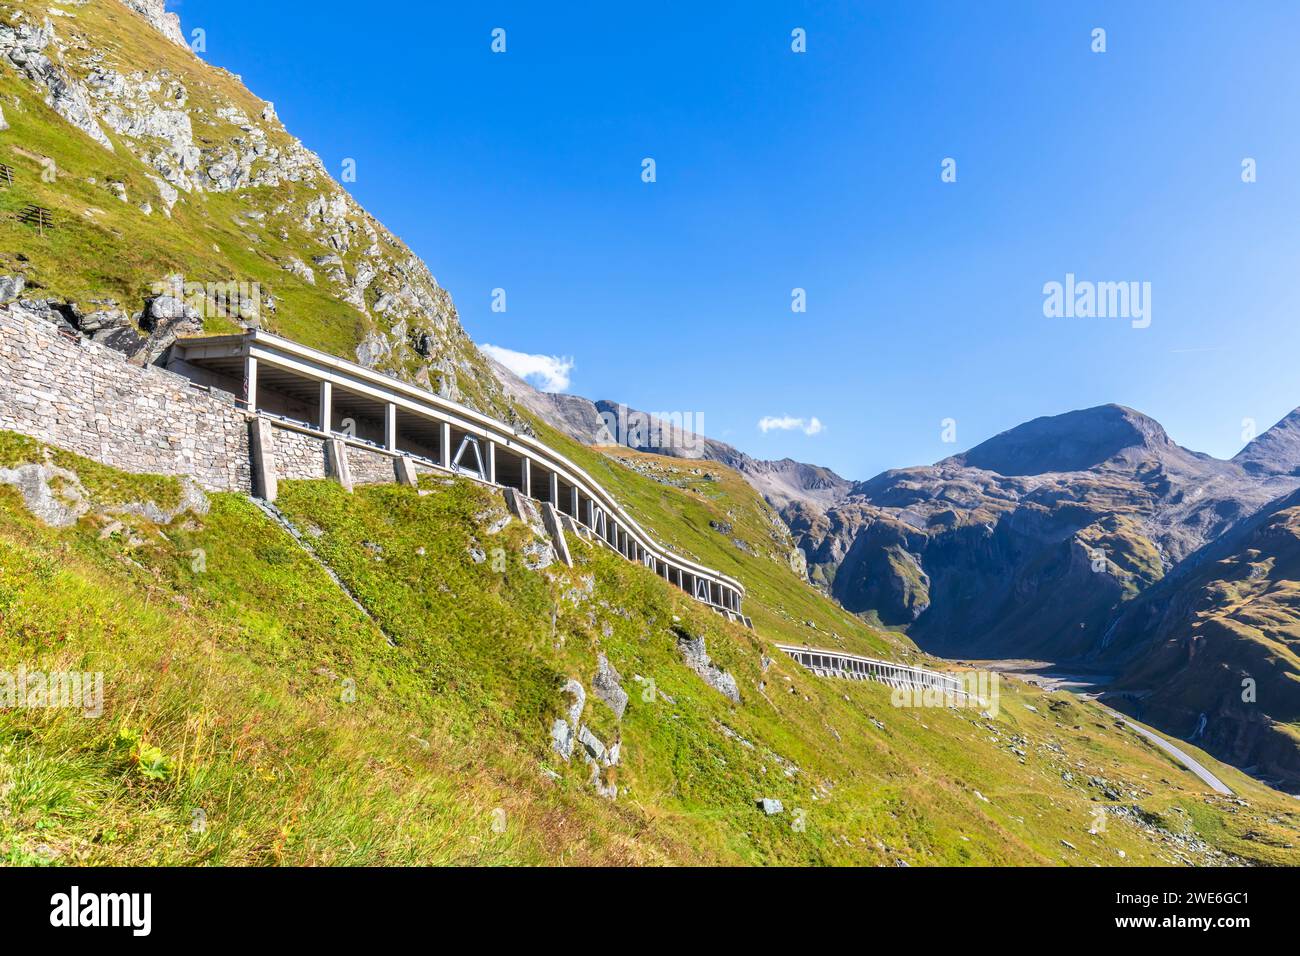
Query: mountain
1213, 652
346, 679
1075, 441
1276, 452
165, 176
1026, 544
604, 422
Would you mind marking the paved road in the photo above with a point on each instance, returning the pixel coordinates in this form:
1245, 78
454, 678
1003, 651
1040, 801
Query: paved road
1088, 685
1181, 756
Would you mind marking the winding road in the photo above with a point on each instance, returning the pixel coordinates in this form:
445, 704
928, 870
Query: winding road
1089, 687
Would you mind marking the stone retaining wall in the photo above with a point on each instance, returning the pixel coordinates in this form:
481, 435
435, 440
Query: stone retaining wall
297, 455
85, 398
370, 467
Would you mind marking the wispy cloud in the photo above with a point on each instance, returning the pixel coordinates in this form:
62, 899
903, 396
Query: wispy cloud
786, 423
550, 373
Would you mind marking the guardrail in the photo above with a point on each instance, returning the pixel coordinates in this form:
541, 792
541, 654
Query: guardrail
827, 663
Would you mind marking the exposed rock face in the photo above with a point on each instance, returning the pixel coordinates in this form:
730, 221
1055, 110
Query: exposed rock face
607, 686
24, 47
1276, 452
168, 24
697, 659
195, 130
1028, 543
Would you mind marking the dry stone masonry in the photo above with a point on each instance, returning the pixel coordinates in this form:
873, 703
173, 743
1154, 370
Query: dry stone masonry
86, 398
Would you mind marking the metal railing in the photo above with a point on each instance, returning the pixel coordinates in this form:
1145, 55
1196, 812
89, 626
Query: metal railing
826, 663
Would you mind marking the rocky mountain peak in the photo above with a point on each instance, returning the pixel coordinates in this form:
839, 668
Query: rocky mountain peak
155, 11
1276, 452
1073, 441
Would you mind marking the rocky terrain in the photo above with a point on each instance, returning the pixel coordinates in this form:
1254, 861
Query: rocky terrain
1210, 653
1027, 544
166, 177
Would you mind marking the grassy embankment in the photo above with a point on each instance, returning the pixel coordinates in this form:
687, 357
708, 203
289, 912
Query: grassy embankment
254, 715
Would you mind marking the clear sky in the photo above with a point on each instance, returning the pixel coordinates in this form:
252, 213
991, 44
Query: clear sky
821, 170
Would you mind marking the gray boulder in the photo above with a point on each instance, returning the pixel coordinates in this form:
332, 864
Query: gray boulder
606, 686
106, 316
574, 689
562, 738
11, 287
697, 659
591, 743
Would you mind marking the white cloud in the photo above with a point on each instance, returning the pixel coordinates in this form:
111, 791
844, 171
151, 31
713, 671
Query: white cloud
550, 373
786, 423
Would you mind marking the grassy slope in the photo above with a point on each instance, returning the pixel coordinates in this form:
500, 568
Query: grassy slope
235, 675
102, 247
1234, 618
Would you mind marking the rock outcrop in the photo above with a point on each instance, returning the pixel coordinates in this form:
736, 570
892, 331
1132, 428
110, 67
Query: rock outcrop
184, 129
155, 11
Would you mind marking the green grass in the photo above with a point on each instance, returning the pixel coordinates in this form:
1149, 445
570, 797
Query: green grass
103, 248
247, 686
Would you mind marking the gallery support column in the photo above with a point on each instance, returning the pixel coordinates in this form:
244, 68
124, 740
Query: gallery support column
444, 445
250, 383
390, 427
326, 407
491, 464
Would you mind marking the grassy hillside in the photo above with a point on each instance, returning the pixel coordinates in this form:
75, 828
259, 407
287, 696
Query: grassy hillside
253, 714
1223, 642
248, 205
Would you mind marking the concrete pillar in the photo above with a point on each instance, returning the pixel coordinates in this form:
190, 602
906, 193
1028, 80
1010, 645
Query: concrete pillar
336, 455
591, 512
404, 468
326, 407
491, 463
263, 449
526, 471
390, 427
444, 445
552, 522
554, 491
573, 495
250, 383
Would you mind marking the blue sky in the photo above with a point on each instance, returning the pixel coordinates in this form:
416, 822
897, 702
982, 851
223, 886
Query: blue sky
821, 171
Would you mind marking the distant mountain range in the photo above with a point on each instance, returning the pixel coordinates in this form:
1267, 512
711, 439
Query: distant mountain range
1088, 537
780, 482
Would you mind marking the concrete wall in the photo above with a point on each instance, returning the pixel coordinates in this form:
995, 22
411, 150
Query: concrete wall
85, 398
